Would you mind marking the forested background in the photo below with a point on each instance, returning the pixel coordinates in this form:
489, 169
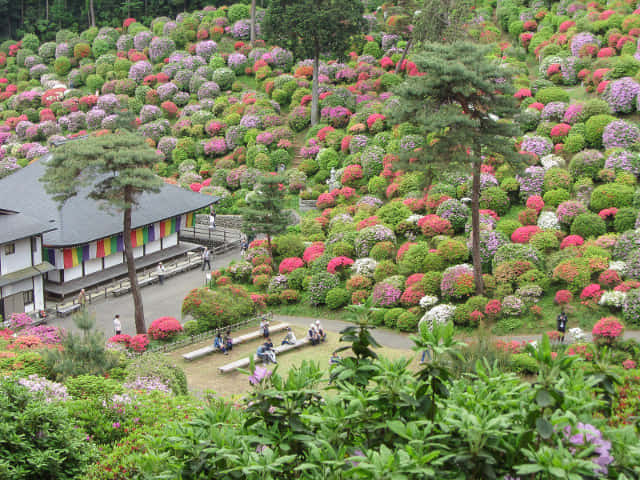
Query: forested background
44, 17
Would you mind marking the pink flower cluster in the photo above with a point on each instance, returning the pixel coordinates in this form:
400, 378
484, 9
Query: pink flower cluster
325, 200
571, 241
524, 234
339, 264
313, 251
591, 292
290, 264
432, 225
535, 202
563, 297
607, 328
164, 327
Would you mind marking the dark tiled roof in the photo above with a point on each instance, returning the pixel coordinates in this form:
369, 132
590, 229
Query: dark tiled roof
82, 219
15, 226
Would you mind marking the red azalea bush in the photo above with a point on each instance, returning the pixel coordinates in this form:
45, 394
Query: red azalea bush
607, 330
139, 342
559, 131
591, 292
339, 265
359, 296
120, 339
290, 264
627, 285
313, 251
609, 279
528, 216
563, 297
535, 202
164, 327
413, 279
608, 213
325, 200
403, 249
367, 222
433, 225
571, 241
524, 234
351, 174
493, 308
476, 317
258, 300
411, 296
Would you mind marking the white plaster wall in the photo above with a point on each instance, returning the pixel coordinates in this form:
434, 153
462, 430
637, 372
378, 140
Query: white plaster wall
152, 247
72, 273
38, 292
18, 260
138, 251
170, 241
113, 259
37, 252
92, 266
54, 276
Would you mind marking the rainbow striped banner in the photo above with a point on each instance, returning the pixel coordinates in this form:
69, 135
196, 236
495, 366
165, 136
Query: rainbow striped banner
107, 246
72, 256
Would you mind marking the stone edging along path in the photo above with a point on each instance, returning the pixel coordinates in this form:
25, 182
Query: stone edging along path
394, 339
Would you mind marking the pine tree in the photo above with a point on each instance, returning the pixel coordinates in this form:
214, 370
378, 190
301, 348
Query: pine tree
265, 212
117, 168
459, 105
309, 27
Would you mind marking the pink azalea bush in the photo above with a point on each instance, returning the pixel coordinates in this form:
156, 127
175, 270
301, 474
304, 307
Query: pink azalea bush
339, 264
290, 264
607, 330
164, 328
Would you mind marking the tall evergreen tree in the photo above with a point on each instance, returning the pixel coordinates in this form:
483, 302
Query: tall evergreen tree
462, 104
311, 27
265, 212
117, 169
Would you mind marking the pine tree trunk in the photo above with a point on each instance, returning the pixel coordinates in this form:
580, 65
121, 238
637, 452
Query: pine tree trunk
404, 55
46, 10
475, 229
315, 101
131, 267
253, 22
92, 14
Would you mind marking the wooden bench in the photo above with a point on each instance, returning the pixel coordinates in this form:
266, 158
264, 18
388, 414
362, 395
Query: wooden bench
241, 339
243, 362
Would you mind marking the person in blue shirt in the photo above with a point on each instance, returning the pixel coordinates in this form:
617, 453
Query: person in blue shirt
266, 353
219, 344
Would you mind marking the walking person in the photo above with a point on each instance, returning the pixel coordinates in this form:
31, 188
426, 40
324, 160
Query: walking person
117, 326
562, 324
160, 272
206, 259
82, 299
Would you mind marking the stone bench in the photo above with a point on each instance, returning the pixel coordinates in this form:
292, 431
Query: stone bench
67, 309
244, 362
236, 341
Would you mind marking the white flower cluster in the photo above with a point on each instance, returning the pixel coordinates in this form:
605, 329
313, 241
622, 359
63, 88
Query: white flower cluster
440, 314
428, 301
551, 161
414, 218
548, 221
613, 298
364, 266
577, 334
619, 266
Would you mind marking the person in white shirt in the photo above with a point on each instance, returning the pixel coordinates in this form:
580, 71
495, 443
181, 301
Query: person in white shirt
117, 326
161, 271
290, 337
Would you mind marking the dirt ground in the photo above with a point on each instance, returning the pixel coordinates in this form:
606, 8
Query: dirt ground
202, 374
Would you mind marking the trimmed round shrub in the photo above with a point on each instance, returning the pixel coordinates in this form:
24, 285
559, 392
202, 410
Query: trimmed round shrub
586, 164
407, 322
496, 199
337, 298
588, 225
391, 317
507, 227
555, 197
164, 328
574, 273
631, 307
594, 129
625, 219
517, 251
453, 251
611, 195
552, 94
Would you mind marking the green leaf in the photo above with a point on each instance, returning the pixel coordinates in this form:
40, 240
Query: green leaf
544, 399
544, 427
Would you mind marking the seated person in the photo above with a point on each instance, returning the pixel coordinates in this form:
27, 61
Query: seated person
313, 335
228, 342
265, 353
218, 344
321, 333
335, 358
290, 338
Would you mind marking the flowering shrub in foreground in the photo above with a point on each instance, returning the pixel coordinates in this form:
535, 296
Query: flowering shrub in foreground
139, 342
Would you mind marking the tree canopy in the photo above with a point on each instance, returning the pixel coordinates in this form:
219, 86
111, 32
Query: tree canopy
117, 169
265, 212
